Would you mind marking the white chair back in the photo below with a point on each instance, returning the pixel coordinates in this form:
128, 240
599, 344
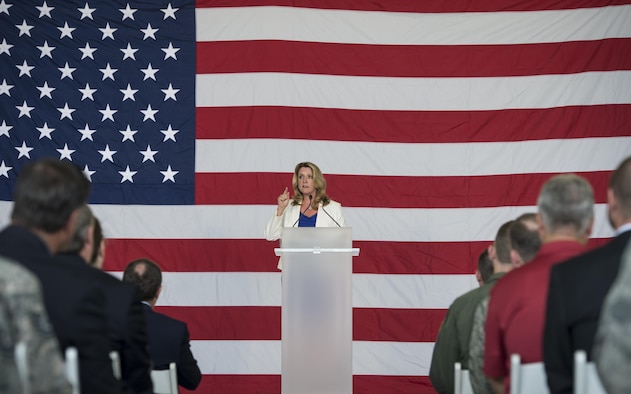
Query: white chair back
527, 378
165, 381
72, 368
116, 364
586, 379
21, 364
462, 382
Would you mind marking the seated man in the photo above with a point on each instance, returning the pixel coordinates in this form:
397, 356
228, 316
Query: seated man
168, 338
124, 312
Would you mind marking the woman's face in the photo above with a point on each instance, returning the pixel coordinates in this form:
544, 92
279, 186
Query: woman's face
305, 181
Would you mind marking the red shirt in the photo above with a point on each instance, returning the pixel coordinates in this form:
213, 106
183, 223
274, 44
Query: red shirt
516, 314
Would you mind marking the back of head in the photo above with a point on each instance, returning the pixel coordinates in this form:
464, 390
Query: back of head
85, 220
98, 240
46, 193
146, 276
485, 266
502, 243
620, 184
524, 240
566, 201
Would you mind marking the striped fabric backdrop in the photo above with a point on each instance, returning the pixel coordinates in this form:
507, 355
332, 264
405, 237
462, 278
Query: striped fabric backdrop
434, 122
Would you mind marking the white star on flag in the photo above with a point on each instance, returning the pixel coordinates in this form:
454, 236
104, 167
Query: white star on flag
23, 151
88, 173
148, 154
45, 131
108, 113
65, 153
4, 169
128, 134
128, 175
107, 154
169, 174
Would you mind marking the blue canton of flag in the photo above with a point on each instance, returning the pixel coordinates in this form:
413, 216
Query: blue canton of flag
109, 86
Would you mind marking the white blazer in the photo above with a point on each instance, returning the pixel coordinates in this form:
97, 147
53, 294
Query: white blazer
329, 216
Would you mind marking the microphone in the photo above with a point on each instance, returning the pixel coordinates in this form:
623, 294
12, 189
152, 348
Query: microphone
338, 225
306, 209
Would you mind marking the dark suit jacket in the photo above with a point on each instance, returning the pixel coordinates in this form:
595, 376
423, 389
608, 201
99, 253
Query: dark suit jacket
169, 342
127, 324
577, 290
76, 308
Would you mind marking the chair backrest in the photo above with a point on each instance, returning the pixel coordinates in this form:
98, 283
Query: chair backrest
72, 368
527, 378
586, 379
165, 380
116, 364
21, 364
462, 382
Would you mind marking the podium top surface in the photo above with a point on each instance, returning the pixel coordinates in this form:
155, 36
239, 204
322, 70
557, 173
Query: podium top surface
316, 237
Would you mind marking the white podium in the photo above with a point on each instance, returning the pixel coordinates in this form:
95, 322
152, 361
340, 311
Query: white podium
317, 310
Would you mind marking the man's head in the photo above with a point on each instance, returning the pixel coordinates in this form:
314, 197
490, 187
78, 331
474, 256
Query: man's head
97, 258
499, 252
485, 267
146, 276
619, 194
524, 239
47, 196
566, 208
81, 239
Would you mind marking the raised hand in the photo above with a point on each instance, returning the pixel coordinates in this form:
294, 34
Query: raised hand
283, 201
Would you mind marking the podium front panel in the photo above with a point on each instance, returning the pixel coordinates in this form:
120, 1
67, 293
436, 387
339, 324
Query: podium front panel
317, 324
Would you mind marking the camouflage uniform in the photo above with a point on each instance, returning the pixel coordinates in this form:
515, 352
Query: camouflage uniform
612, 347
24, 319
479, 383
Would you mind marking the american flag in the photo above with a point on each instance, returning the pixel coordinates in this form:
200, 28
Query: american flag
434, 122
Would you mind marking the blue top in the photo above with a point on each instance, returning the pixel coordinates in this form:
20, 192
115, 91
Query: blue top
306, 221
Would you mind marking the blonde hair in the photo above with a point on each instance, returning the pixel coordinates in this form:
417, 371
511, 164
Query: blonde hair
318, 181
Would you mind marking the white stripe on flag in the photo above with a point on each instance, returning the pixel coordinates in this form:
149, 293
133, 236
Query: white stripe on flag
369, 358
413, 94
398, 159
248, 222
264, 289
405, 28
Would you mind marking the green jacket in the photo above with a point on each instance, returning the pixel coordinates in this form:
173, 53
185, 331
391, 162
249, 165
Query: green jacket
452, 344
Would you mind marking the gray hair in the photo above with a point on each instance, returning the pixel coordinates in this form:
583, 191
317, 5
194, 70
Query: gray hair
566, 200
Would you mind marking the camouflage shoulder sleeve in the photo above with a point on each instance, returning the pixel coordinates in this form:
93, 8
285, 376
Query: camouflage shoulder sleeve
476, 350
24, 319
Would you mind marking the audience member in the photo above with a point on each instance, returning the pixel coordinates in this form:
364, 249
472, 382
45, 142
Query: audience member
23, 319
47, 198
524, 240
578, 288
516, 311
169, 339
452, 344
612, 347
485, 267
124, 309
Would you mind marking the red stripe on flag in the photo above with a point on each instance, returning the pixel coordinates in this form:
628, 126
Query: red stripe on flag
271, 384
413, 126
264, 323
242, 384
432, 6
373, 384
257, 255
391, 191
413, 60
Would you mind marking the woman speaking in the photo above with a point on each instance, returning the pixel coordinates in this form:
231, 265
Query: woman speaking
309, 207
